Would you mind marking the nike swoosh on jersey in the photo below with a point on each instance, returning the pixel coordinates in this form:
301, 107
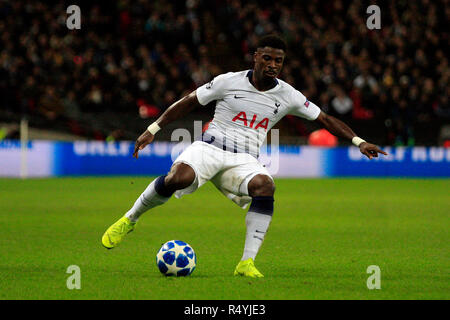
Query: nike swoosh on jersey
238, 97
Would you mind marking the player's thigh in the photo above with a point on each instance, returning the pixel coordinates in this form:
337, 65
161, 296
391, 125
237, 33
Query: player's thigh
203, 159
237, 179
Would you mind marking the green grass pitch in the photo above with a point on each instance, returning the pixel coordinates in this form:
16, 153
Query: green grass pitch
324, 234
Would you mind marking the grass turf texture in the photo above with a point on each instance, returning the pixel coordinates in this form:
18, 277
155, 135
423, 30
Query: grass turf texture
324, 235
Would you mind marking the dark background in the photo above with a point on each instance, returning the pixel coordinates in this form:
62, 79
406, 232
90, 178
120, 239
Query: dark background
132, 59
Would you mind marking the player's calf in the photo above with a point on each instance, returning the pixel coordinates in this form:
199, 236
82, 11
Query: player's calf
157, 193
161, 189
261, 188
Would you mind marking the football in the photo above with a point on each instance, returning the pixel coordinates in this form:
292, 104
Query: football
176, 258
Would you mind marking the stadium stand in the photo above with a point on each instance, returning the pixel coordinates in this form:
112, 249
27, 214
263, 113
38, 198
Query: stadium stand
132, 59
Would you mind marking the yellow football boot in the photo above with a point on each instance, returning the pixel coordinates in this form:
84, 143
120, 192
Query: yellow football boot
247, 268
115, 234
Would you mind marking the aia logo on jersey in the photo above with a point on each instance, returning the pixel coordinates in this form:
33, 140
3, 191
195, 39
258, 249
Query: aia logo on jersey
241, 116
307, 103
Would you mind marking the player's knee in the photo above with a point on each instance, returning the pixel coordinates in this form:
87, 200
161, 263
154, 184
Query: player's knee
180, 176
261, 186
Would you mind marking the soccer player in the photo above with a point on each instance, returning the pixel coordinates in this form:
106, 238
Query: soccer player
248, 104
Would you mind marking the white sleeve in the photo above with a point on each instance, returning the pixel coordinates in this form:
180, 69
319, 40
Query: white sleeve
214, 90
302, 107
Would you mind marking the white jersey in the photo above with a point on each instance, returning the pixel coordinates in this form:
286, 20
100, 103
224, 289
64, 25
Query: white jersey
244, 115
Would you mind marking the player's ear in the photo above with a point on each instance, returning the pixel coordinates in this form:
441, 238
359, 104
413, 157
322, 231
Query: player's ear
255, 55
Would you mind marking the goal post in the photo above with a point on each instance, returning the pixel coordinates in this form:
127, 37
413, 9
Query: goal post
23, 148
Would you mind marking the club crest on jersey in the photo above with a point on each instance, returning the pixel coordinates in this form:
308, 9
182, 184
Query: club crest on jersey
307, 103
277, 104
241, 116
210, 84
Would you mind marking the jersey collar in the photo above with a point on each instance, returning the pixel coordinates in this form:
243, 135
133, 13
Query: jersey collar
275, 82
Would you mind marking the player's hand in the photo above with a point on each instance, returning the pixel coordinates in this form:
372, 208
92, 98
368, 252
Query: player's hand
142, 141
370, 150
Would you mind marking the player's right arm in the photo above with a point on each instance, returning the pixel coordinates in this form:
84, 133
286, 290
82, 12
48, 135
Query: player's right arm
174, 112
205, 94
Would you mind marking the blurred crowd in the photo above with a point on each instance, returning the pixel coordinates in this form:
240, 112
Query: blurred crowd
135, 58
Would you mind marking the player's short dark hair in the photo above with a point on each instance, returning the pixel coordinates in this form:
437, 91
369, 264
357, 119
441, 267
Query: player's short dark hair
272, 41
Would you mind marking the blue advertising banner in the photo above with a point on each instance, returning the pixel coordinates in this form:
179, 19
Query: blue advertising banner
400, 162
34, 160
113, 158
98, 158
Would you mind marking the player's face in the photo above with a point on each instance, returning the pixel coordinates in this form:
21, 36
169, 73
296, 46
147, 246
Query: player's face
268, 62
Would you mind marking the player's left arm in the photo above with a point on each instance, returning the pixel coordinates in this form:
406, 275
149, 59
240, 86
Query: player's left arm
340, 129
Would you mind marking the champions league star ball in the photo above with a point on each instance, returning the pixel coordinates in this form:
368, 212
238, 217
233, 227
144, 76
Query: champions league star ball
176, 258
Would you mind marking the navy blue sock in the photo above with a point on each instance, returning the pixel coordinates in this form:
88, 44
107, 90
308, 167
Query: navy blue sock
161, 189
262, 205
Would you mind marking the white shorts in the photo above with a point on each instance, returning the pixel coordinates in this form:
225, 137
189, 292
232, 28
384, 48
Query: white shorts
229, 172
